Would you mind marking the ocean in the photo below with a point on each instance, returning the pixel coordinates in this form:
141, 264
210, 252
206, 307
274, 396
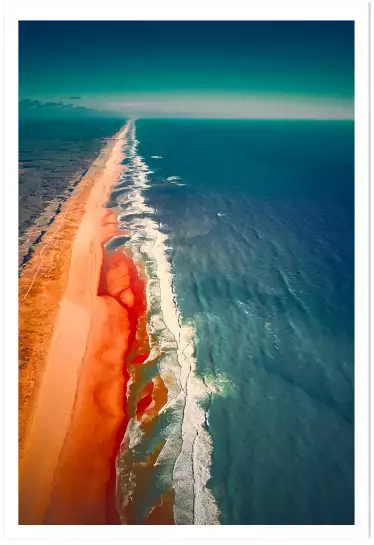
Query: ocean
246, 233
246, 229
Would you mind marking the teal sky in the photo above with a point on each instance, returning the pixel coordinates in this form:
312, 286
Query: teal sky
213, 69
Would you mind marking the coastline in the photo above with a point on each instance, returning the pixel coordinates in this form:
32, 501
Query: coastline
63, 323
111, 361
183, 451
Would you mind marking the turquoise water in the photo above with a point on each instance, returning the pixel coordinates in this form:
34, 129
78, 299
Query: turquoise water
259, 218
260, 224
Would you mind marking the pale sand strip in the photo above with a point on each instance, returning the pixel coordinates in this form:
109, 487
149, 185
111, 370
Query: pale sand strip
41, 287
52, 408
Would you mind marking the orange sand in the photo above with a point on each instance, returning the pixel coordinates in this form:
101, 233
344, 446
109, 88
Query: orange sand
82, 332
41, 287
69, 423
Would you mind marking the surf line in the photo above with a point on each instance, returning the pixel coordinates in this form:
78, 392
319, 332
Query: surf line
163, 390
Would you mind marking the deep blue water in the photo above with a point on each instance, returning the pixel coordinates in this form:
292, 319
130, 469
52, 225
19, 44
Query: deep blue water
262, 238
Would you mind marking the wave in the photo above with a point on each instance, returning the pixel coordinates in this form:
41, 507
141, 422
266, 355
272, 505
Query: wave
175, 180
183, 463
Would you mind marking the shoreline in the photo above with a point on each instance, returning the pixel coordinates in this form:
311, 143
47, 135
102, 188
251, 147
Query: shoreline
104, 370
58, 357
184, 497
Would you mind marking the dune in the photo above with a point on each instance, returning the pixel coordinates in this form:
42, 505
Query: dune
78, 314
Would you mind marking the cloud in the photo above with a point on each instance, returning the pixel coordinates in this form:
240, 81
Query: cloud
231, 108
51, 109
224, 107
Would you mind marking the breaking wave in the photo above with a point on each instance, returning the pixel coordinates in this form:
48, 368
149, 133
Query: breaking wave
183, 462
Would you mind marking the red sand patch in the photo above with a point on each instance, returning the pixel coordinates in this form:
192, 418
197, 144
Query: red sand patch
145, 400
104, 318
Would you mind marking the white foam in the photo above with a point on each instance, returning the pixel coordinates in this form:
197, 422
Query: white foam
173, 178
188, 445
220, 385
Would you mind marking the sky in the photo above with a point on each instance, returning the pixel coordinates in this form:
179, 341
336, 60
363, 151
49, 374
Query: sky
236, 69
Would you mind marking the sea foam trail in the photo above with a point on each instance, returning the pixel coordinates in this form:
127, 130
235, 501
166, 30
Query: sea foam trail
188, 446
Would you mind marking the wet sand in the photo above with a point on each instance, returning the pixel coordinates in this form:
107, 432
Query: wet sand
73, 342
83, 335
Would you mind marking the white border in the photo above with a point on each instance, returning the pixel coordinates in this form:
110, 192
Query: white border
194, 9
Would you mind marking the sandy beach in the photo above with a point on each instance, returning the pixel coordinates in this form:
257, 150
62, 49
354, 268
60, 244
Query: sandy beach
189, 347
73, 337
